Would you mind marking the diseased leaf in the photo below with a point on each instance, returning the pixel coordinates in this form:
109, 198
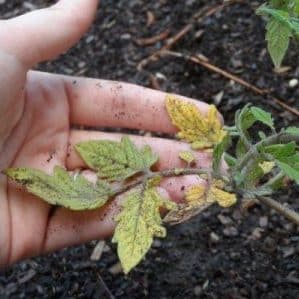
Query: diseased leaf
116, 161
252, 175
187, 156
198, 195
262, 116
219, 151
137, 224
72, 192
202, 132
267, 166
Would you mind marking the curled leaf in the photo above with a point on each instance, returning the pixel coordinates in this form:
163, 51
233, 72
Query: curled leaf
72, 192
199, 130
137, 224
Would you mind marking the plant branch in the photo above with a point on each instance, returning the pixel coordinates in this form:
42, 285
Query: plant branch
163, 173
281, 137
281, 209
276, 179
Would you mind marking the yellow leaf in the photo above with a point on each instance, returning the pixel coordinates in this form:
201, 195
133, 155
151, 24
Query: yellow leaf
187, 156
154, 182
223, 198
267, 166
137, 224
199, 130
196, 195
199, 195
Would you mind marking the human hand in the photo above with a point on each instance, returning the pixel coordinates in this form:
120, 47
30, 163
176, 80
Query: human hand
38, 111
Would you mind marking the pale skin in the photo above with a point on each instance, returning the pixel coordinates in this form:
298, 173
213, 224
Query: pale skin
38, 111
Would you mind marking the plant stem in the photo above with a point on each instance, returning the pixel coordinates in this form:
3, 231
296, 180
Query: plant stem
281, 209
272, 182
163, 173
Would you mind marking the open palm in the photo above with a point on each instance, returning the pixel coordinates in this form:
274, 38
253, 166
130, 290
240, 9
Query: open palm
39, 113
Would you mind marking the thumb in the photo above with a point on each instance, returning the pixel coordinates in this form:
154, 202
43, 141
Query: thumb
44, 34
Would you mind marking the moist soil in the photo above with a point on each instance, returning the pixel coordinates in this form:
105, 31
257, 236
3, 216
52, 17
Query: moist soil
233, 253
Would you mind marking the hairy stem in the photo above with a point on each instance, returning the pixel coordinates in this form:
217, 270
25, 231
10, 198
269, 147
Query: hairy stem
281, 209
164, 173
276, 179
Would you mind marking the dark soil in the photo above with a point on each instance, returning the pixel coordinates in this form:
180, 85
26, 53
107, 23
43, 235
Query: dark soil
222, 253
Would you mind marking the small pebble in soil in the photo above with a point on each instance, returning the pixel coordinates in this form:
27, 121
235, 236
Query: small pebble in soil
214, 238
293, 83
230, 231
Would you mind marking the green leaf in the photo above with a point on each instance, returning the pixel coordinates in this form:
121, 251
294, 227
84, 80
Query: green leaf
262, 116
72, 192
281, 151
294, 6
280, 4
289, 171
230, 160
262, 135
292, 130
116, 161
278, 38
277, 14
219, 151
244, 119
137, 224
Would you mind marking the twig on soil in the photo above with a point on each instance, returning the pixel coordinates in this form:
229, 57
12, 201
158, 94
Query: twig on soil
143, 42
154, 82
104, 285
199, 16
205, 63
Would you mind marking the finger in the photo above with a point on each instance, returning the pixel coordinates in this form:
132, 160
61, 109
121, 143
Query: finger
43, 34
67, 228
114, 104
102, 103
166, 149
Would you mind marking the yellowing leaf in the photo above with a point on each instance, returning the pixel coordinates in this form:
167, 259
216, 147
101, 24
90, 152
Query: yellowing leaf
137, 224
195, 195
223, 198
202, 132
154, 182
187, 156
267, 166
116, 161
198, 195
72, 192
